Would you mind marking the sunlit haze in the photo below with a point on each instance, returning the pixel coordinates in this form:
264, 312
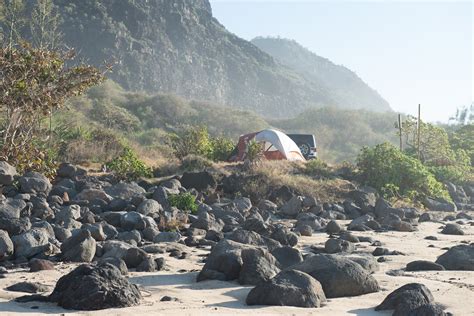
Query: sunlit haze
410, 52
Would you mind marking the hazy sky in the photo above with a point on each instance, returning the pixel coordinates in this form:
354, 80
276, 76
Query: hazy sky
409, 51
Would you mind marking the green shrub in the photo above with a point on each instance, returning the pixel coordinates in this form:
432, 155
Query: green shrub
191, 141
184, 201
390, 171
458, 171
127, 165
222, 148
318, 168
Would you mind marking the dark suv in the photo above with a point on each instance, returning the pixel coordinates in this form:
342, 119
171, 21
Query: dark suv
307, 145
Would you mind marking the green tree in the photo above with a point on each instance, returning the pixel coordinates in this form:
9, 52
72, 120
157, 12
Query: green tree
33, 83
392, 172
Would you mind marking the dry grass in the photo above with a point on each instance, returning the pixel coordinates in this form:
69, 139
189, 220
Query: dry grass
287, 173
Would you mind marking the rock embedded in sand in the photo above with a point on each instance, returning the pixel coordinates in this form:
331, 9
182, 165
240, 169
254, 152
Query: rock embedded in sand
407, 299
459, 257
28, 287
91, 287
288, 288
338, 276
423, 265
40, 265
452, 229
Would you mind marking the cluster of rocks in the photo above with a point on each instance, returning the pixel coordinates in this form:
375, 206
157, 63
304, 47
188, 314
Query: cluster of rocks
118, 226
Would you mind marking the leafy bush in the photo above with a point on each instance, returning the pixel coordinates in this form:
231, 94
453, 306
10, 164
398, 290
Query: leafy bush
317, 167
197, 141
459, 171
392, 172
192, 141
184, 201
222, 148
127, 165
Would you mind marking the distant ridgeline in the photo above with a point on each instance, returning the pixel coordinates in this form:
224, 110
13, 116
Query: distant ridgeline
177, 47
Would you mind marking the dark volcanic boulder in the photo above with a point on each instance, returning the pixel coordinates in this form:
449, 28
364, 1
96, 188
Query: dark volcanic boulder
252, 238
7, 173
80, 247
34, 182
200, 181
6, 246
258, 265
406, 299
459, 257
333, 245
339, 276
288, 288
28, 287
224, 262
452, 229
40, 265
95, 287
423, 265
31, 243
287, 256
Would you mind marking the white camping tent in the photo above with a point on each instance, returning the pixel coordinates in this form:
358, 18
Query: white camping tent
278, 141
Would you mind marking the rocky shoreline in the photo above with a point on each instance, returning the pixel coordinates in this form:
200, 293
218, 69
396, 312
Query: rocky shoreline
91, 242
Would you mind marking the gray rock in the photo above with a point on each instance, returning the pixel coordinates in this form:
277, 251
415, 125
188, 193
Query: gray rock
252, 238
6, 246
80, 247
28, 287
368, 263
423, 265
115, 249
31, 243
66, 170
40, 265
333, 227
333, 245
338, 276
293, 207
285, 237
134, 257
201, 181
440, 205
132, 220
304, 230
258, 265
34, 182
406, 299
125, 190
12, 207
224, 262
452, 229
167, 237
117, 262
7, 173
147, 265
14, 226
459, 257
132, 237
95, 287
93, 194
287, 256
149, 207
96, 230
288, 288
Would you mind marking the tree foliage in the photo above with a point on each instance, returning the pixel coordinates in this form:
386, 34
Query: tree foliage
392, 172
33, 83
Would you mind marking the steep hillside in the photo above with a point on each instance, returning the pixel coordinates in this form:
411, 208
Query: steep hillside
177, 47
347, 89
